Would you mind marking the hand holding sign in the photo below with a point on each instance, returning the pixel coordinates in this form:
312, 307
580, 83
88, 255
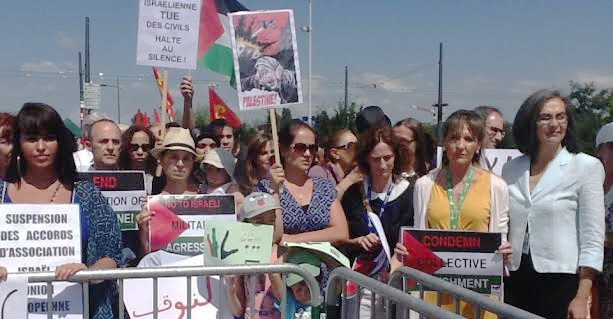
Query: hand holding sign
3, 273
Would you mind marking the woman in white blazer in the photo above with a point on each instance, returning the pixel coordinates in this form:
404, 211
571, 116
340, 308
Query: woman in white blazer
556, 212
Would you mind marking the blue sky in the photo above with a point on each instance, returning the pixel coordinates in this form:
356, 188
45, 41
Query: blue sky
495, 53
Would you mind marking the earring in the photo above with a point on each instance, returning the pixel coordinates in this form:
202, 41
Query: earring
18, 165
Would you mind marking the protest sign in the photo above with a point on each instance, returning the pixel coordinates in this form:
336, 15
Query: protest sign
39, 238
178, 223
326, 249
168, 33
468, 259
265, 59
493, 159
208, 297
14, 297
235, 243
123, 190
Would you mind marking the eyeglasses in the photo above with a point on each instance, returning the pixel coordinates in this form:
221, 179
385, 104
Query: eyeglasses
546, 118
348, 146
495, 130
302, 148
135, 147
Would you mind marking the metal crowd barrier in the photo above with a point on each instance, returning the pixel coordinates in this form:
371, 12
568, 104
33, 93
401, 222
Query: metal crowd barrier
86, 276
391, 294
478, 301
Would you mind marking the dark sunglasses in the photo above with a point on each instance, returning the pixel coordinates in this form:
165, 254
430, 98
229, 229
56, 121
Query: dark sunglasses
135, 147
348, 146
301, 148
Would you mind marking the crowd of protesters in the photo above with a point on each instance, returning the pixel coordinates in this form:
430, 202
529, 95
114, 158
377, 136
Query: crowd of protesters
549, 204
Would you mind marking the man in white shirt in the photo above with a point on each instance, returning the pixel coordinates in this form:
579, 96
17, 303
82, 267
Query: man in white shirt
105, 143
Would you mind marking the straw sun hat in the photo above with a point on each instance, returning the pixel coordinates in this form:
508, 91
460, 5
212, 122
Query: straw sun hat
176, 138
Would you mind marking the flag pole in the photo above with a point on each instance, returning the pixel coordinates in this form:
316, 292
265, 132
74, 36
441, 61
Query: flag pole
275, 139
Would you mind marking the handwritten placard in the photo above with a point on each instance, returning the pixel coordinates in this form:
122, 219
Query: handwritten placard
207, 296
235, 243
168, 33
14, 297
40, 238
123, 190
178, 223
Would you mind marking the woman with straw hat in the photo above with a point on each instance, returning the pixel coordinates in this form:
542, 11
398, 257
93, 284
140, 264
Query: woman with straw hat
177, 155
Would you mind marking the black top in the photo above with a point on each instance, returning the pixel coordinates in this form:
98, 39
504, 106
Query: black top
398, 212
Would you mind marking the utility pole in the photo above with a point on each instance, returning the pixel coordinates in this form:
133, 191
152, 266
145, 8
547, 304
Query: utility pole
439, 105
346, 87
80, 80
87, 65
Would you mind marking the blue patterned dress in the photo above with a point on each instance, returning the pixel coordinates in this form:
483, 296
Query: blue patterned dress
297, 220
100, 237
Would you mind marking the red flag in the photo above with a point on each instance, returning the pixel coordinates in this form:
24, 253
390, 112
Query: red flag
146, 120
169, 102
219, 110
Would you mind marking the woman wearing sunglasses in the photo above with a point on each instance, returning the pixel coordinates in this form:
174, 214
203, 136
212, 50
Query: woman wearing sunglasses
311, 212
411, 132
340, 167
136, 143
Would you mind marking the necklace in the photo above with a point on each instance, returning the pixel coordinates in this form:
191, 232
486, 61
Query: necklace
59, 185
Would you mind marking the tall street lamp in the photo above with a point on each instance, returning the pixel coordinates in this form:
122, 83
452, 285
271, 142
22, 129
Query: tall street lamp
309, 30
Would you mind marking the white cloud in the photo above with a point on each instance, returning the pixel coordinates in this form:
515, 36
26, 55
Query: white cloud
48, 67
600, 78
64, 41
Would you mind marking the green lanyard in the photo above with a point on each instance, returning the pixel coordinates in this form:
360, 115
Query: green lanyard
454, 210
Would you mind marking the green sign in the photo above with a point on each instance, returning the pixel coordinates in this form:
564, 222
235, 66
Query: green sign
236, 243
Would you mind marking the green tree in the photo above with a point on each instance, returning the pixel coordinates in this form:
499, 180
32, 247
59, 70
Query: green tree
286, 117
592, 107
344, 117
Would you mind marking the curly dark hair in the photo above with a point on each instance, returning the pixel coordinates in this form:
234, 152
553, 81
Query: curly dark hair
126, 140
373, 136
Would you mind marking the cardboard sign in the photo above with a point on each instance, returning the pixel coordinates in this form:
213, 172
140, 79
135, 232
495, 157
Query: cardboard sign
468, 258
39, 238
123, 190
208, 296
326, 249
236, 243
179, 221
14, 297
265, 59
168, 33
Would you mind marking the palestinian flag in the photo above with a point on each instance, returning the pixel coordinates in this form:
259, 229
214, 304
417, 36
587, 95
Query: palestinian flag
215, 46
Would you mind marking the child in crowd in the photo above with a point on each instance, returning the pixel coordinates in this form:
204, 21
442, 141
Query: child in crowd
218, 166
299, 294
262, 209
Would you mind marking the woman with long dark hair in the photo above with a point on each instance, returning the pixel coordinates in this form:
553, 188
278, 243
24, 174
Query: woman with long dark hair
411, 132
42, 171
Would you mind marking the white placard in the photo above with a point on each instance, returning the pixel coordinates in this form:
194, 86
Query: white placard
40, 238
168, 33
207, 296
14, 297
493, 159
